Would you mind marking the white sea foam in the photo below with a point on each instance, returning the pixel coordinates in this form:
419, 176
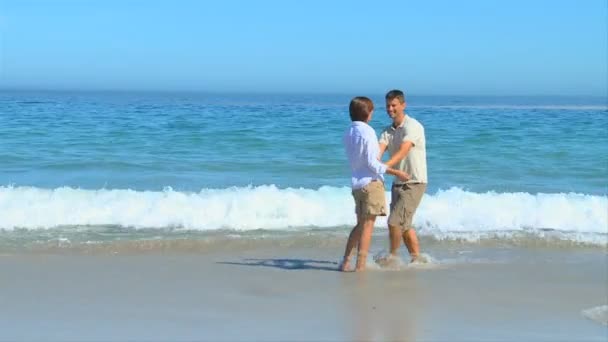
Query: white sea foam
453, 213
598, 314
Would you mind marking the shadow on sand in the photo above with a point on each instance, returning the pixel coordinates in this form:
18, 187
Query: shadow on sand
288, 264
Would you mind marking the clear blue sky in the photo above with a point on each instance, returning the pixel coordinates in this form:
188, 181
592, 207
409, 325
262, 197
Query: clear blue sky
469, 47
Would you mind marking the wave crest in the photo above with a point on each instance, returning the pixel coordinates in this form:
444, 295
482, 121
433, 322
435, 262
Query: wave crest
447, 212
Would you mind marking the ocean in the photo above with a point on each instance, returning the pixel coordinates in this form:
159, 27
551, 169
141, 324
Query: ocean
87, 168
163, 216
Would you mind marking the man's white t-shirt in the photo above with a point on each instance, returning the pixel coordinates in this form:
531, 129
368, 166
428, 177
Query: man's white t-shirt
414, 164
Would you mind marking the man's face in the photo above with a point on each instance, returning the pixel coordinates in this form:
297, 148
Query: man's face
394, 108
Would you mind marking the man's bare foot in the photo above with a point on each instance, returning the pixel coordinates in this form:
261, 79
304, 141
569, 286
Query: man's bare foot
389, 261
419, 258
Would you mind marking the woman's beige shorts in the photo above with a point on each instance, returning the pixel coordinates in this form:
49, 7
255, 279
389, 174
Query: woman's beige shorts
370, 200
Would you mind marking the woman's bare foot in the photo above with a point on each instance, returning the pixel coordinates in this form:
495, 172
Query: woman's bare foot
345, 265
361, 261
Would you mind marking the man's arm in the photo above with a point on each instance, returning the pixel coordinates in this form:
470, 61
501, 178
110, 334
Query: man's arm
382, 150
372, 162
379, 168
402, 153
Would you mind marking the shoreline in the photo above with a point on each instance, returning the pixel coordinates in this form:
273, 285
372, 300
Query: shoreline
133, 241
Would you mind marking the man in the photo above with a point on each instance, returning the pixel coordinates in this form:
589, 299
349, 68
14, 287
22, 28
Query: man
366, 179
406, 145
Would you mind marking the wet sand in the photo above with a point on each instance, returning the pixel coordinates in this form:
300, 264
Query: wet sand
289, 294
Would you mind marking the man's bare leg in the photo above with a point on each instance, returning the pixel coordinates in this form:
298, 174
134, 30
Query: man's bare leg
411, 242
394, 234
353, 240
365, 242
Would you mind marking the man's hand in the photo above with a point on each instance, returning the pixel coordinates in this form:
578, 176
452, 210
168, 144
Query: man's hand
402, 175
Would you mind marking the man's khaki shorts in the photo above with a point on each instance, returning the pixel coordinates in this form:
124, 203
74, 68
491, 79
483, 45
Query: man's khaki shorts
405, 199
370, 200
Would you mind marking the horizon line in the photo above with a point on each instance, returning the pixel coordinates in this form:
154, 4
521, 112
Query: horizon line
241, 92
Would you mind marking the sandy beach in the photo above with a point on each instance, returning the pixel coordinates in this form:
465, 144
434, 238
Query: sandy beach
273, 292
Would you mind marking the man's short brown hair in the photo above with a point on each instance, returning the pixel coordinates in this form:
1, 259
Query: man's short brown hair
360, 108
395, 94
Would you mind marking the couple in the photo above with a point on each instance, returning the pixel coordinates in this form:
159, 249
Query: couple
406, 144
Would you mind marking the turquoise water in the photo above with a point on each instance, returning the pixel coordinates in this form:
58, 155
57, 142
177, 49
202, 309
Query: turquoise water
241, 162
193, 141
